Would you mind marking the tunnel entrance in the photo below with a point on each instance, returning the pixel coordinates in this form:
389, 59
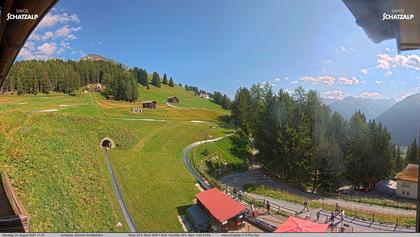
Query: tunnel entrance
107, 143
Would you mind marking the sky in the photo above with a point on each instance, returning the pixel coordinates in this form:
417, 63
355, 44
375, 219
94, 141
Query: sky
226, 44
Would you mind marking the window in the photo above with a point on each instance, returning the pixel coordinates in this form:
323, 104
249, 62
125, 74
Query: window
406, 185
403, 193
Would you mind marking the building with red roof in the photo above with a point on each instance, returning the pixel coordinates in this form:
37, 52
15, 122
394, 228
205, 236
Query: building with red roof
294, 224
224, 212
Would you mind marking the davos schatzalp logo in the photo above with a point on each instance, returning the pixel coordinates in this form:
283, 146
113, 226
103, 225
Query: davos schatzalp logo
21, 14
397, 14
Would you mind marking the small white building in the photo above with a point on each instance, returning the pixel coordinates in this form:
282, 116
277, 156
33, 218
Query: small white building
407, 182
204, 95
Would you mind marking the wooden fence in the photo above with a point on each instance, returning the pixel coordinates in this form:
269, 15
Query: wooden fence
19, 222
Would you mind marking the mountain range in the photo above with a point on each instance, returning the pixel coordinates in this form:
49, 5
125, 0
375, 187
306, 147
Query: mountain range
372, 108
403, 120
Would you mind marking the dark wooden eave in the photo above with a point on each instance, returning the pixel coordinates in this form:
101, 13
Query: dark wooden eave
13, 33
369, 14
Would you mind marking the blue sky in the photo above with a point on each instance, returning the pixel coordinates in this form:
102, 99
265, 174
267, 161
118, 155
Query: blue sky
224, 44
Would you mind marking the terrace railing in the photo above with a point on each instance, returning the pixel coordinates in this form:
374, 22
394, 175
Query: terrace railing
19, 222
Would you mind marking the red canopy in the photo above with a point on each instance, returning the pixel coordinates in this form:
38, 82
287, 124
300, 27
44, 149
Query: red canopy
220, 205
298, 225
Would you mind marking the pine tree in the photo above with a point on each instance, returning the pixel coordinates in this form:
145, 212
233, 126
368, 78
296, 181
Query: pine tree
412, 153
399, 162
165, 79
171, 82
241, 108
156, 79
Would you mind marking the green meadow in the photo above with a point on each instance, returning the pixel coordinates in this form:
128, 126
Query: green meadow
49, 145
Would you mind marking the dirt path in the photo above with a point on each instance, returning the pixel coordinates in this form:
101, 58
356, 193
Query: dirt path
256, 176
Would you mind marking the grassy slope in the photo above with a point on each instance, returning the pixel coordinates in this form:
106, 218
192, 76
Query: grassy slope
186, 98
229, 154
60, 173
154, 180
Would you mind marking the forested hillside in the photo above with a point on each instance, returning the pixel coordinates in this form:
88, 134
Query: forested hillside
301, 141
37, 76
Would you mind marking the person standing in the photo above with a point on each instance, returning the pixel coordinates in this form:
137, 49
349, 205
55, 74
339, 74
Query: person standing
268, 207
240, 195
332, 217
306, 205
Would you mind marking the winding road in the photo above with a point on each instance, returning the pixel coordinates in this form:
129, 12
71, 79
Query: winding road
360, 225
120, 199
187, 163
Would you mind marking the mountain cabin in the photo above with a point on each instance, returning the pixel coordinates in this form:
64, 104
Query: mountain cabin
150, 104
172, 99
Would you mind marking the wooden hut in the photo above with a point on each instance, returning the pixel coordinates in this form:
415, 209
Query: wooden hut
151, 104
172, 99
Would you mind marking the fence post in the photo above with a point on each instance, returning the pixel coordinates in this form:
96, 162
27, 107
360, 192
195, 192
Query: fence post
396, 225
373, 214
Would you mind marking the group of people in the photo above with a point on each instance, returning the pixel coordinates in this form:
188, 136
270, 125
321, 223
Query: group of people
338, 211
237, 194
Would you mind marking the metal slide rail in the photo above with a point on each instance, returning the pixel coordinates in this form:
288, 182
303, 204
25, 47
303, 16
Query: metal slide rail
120, 199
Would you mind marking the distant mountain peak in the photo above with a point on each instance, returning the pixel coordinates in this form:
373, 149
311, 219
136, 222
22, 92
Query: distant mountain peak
402, 119
372, 108
97, 57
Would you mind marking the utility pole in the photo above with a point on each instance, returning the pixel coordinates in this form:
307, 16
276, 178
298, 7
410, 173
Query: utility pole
418, 190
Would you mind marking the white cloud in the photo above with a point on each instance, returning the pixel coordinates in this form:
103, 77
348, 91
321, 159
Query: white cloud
364, 71
334, 95
51, 37
348, 81
388, 73
330, 80
52, 19
27, 50
35, 36
327, 80
386, 62
378, 82
343, 50
294, 82
67, 32
368, 94
47, 49
47, 35
326, 61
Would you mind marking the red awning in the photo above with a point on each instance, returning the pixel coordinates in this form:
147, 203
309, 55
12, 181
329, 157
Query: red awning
298, 225
220, 205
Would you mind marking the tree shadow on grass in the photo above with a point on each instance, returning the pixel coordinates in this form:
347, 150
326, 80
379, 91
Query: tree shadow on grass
183, 209
225, 121
240, 149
